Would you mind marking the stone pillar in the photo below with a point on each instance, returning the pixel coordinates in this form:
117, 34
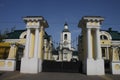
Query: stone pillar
107, 52
98, 46
92, 24
9, 64
60, 56
45, 49
12, 52
115, 64
40, 48
41, 42
115, 56
36, 43
89, 44
50, 54
33, 64
27, 44
32, 44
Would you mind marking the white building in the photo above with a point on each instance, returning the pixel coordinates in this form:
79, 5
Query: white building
65, 50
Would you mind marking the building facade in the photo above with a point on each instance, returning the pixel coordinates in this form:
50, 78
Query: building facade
17, 41
31, 46
109, 46
65, 50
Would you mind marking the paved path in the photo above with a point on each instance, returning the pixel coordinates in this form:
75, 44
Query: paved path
54, 76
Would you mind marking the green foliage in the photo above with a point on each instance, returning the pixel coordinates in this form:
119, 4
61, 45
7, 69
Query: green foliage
2, 36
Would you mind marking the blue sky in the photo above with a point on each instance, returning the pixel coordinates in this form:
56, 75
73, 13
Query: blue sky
57, 12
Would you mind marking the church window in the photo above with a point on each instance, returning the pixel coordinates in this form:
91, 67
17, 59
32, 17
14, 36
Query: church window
65, 36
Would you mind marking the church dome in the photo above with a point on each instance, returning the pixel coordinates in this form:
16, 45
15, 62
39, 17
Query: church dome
66, 28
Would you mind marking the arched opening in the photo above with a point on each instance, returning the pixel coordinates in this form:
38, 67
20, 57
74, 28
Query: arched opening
103, 37
25, 36
65, 36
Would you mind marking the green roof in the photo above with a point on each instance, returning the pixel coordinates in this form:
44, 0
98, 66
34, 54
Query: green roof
14, 35
115, 35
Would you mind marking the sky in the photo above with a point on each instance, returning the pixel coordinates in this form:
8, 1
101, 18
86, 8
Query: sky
57, 12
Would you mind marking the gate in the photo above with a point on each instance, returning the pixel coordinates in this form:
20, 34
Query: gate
52, 66
107, 66
19, 56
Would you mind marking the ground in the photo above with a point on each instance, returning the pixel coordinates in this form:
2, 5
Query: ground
16, 75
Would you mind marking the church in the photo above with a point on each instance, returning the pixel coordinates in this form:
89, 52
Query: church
65, 50
96, 47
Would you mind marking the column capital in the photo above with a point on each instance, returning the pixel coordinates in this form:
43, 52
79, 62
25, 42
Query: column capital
38, 29
97, 29
32, 27
13, 44
88, 28
41, 28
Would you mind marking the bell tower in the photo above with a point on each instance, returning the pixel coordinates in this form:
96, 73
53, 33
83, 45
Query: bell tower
65, 52
65, 37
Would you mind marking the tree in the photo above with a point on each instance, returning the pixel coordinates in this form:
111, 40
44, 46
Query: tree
0, 36
3, 35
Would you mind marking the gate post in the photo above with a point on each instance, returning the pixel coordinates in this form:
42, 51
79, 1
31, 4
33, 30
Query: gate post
92, 62
115, 63
31, 62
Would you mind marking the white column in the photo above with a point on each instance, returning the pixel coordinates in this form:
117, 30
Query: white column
36, 43
107, 52
98, 46
60, 56
89, 44
113, 53
26, 54
11, 52
41, 43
